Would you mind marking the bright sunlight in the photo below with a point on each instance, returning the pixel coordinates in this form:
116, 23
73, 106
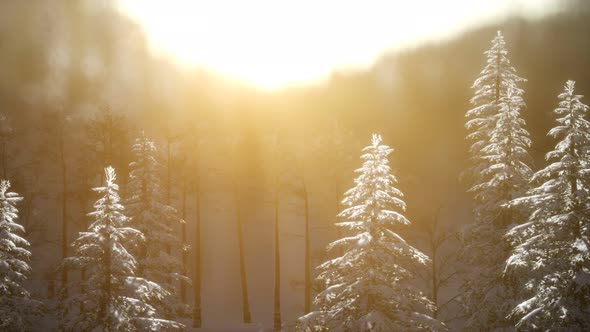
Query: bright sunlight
274, 44
289, 165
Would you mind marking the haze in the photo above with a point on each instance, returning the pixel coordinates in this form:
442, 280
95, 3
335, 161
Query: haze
273, 44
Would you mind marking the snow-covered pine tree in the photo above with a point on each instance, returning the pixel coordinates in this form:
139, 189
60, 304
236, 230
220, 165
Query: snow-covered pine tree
17, 309
490, 87
154, 219
113, 298
553, 247
500, 172
369, 288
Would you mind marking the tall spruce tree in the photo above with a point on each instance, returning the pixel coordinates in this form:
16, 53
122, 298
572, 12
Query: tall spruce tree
113, 298
500, 172
155, 220
554, 245
369, 288
17, 309
489, 89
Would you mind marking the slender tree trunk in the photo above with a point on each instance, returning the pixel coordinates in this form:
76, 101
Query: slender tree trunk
85, 226
307, 297
124, 179
197, 278
572, 148
168, 172
168, 196
184, 244
50, 288
277, 293
168, 187
4, 167
105, 301
143, 248
574, 186
26, 215
107, 283
64, 210
108, 152
246, 316
434, 276
338, 228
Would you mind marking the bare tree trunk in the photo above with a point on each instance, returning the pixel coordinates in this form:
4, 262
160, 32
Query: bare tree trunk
573, 180
246, 316
168, 196
26, 215
574, 192
4, 167
168, 183
277, 292
434, 248
64, 210
197, 278
307, 297
442, 268
142, 252
83, 270
338, 228
107, 284
50, 287
184, 244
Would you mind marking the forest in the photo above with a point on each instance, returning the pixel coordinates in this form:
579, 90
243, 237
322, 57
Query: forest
444, 188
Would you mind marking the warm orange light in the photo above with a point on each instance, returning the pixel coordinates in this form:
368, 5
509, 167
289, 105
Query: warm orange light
276, 43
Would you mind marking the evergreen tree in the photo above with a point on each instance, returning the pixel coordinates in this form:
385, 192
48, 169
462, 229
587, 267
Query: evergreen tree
113, 298
154, 219
16, 306
553, 246
490, 87
369, 288
500, 173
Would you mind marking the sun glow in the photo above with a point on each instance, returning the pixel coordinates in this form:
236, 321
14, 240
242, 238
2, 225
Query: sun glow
273, 44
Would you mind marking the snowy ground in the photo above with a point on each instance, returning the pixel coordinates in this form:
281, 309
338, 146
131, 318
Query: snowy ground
236, 328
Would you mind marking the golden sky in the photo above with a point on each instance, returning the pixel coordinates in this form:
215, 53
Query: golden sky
272, 44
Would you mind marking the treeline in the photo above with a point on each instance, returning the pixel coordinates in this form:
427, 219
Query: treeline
523, 263
412, 97
151, 180
55, 144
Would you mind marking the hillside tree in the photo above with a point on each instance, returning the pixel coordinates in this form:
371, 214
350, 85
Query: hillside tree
369, 287
17, 308
114, 299
553, 246
499, 172
151, 216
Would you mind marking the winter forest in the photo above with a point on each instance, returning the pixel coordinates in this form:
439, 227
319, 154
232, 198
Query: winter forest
443, 185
